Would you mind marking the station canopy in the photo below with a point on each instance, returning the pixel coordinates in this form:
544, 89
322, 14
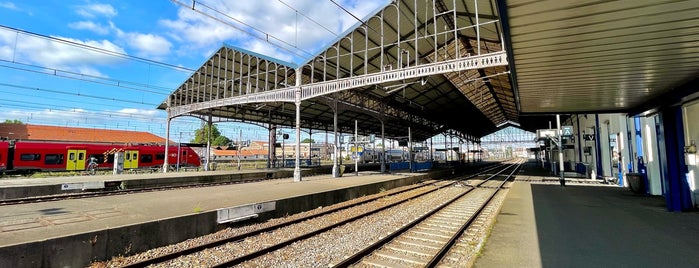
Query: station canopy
435, 68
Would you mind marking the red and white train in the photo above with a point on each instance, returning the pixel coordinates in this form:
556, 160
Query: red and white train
24, 157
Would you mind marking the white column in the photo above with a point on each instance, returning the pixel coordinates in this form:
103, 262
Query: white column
297, 169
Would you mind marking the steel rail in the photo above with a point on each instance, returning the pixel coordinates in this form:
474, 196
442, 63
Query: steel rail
371, 248
222, 241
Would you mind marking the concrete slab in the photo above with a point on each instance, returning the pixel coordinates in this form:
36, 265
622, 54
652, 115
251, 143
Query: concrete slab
583, 225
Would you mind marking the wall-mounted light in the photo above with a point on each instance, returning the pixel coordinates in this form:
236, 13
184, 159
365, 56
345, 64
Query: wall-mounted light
691, 149
690, 154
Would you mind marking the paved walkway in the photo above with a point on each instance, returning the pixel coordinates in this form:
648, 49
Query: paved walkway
583, 225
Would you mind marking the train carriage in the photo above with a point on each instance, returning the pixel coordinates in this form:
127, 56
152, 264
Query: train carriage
33, 156
4, 156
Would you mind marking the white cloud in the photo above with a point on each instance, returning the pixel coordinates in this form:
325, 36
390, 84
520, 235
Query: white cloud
140, 112
68, 55
194, 29
9, 5
90, 26
6, 53
7, 41
91, 71
46, 115
148, 44
96, 10
13, 7
310, 25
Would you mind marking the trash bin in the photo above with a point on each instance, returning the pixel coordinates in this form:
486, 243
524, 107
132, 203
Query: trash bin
636, 183
588, 171
342, 170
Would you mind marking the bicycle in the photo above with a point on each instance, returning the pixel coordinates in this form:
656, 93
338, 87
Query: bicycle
91, 168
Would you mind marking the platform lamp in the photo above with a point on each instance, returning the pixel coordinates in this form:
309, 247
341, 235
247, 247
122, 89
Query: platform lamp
179, 147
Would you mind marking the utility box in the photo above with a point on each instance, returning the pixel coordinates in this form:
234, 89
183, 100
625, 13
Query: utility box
118, 163
636, 182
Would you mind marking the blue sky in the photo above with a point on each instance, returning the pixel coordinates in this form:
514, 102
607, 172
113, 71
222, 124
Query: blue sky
108, 64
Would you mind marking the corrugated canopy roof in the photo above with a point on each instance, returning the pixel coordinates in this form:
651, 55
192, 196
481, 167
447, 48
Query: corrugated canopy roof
441, 68
575, 56
428, 80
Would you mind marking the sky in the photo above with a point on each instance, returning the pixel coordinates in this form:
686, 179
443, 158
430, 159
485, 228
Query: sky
109, 64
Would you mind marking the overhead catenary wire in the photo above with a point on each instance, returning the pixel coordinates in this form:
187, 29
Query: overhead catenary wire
73, 94
20, 66
353, 16
94, 79
100, 80
52, 100
309, 18
266, 38
96, 49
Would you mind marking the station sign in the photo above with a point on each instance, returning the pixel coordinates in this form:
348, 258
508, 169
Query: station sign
567, 131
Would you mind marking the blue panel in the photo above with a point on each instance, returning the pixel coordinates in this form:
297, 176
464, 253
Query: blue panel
629, 165
422, 166
399, 166
677, 192
639, 139
598, 150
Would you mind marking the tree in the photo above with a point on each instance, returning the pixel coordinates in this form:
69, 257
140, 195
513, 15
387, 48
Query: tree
307, 140
220, 141
200, 136
8, 121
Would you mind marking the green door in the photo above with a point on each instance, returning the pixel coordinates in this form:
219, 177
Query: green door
130, 159
76, 159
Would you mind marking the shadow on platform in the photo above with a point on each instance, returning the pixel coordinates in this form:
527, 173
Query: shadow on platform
593, 226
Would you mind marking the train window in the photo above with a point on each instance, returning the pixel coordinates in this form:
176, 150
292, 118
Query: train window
53, 159
81, 156
127, 157
110, 158
135, 156
146, 158
71, 156
30, 157
160, 156
99, 157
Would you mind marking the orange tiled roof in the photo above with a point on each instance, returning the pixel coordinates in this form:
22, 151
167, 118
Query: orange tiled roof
56, 133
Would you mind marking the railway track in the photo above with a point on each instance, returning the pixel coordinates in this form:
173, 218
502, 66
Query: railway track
249, 246
278, 227
426, 240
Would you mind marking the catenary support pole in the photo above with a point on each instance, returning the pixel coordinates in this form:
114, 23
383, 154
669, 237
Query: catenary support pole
297, 168
560, 150
356, 150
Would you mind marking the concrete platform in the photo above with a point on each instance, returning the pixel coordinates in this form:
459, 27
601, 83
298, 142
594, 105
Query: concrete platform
31, 187
588, 225
72, 233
